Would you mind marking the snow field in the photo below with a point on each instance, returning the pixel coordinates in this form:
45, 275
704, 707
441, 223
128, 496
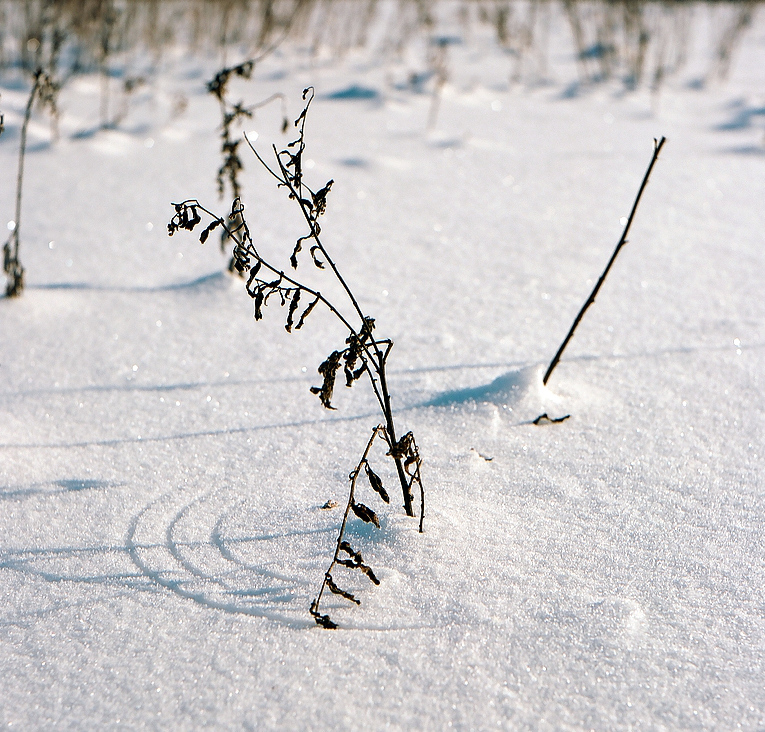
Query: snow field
163, 464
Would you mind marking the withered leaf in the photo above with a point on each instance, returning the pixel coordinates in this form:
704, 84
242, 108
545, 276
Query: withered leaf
298, 248
369, 573
376, 483
348, 549
321, 620
542, 418
306, 313
237, 209
337, 591
365, 513
258, 298
328, 370
398, 449
366, 329
353, 353
293, 307
404, 448
358, 372
320, 199
186, 217
253, 274
316, 260
212, 226
240, 260
324, 621
356, 561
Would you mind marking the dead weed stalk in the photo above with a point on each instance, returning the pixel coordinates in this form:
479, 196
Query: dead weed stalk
363, 354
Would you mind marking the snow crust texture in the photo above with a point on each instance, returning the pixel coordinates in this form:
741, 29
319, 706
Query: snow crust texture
163, 464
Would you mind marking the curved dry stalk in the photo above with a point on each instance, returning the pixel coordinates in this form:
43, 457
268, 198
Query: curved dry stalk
353, 559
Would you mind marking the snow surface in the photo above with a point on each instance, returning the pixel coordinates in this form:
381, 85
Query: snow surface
163, 464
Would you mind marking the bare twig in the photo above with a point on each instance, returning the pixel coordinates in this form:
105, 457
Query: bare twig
657, 145
545, 418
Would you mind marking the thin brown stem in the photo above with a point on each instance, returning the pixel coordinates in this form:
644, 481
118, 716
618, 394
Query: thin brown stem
657, 145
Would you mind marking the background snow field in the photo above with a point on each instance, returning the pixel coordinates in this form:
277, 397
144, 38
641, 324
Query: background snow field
163, 463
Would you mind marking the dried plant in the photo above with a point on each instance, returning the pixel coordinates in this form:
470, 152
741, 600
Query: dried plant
109, 17
45, 92
731, 38
232, 117
657, 145
438, 61
363, 354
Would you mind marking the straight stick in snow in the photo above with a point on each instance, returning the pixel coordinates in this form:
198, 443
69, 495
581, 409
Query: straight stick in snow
657, 145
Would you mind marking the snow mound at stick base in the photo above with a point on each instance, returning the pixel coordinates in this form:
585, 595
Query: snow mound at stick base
520, 392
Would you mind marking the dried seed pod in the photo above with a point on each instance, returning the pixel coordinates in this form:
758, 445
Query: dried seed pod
369, 573
328, 370
376, 483
365, 513
337, 591
293, 307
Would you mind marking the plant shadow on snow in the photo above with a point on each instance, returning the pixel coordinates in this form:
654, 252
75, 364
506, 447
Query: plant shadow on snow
62, 487
746, 150
743, 118
214, 281
207, 548
241, 557
355, 92
204, 548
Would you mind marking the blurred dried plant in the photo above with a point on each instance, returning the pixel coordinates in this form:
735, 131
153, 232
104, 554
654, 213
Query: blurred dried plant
233, 114
44, 91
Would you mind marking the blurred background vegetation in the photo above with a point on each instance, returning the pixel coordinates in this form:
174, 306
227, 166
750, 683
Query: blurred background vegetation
636, 41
